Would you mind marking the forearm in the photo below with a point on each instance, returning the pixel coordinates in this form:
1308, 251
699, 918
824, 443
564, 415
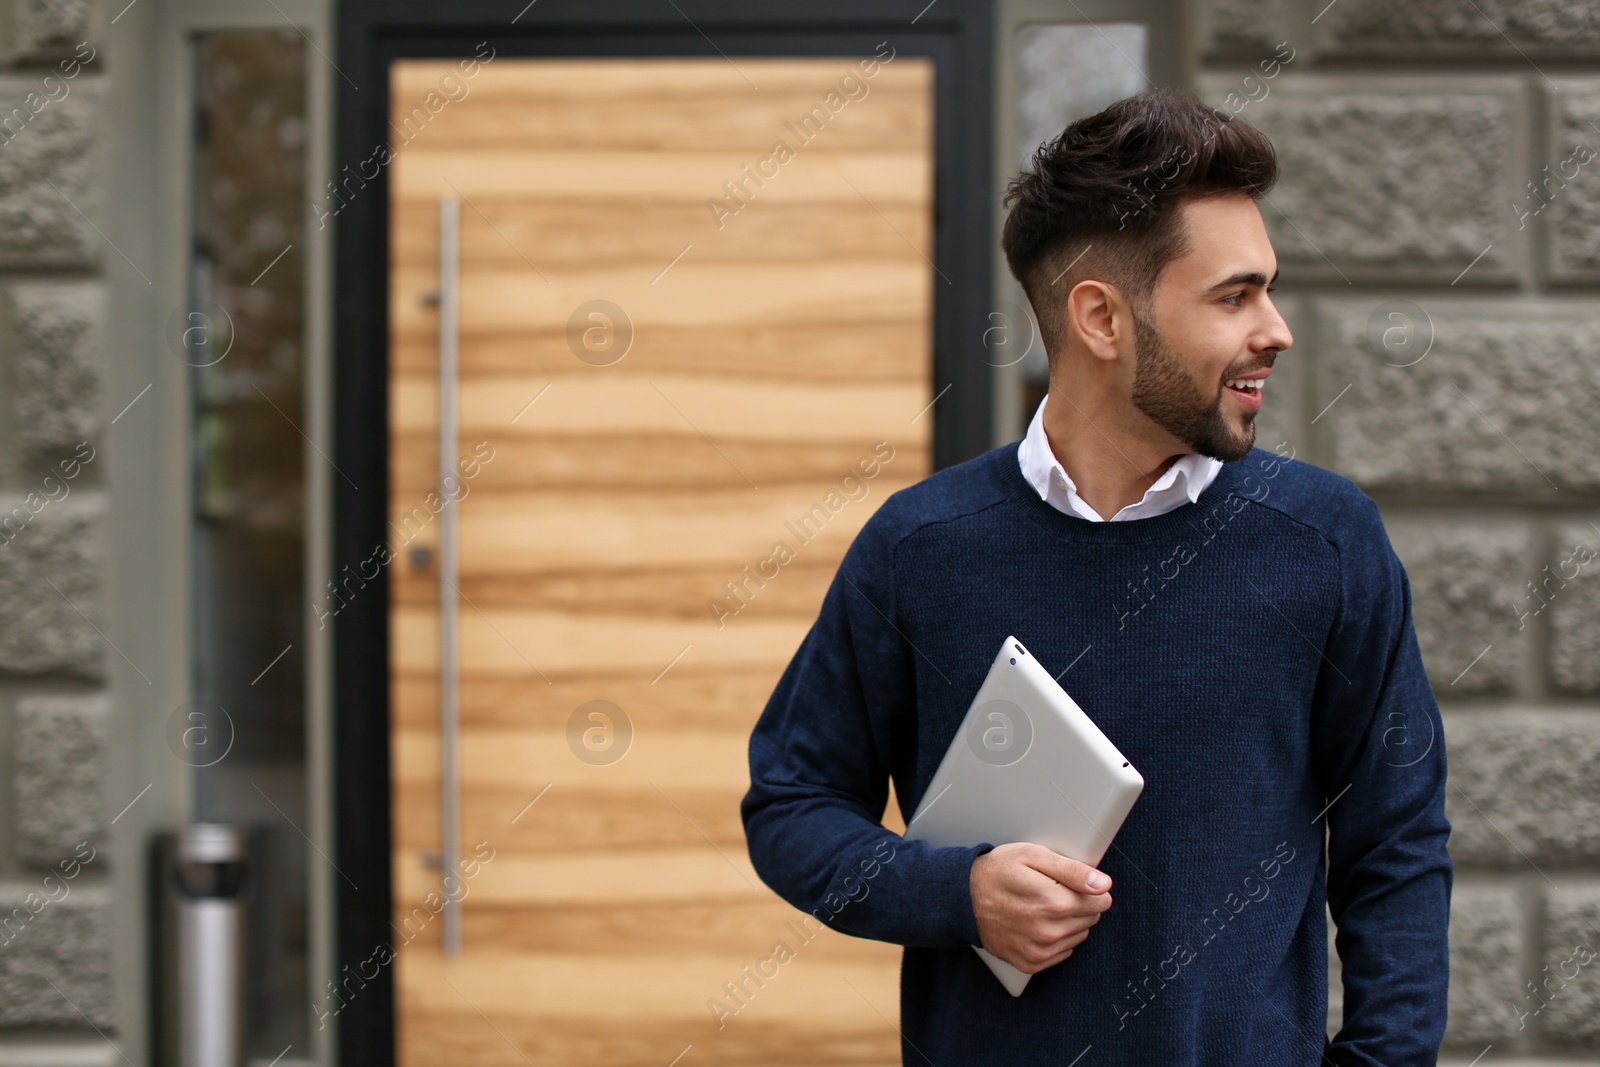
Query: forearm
1392, 940
821, 756
833, 861
1389, 883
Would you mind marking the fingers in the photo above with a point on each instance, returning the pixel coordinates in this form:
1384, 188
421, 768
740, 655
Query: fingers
1079, 877
1054, 937
1034, 906
1028, 967
1070, 940
1045, 951
1079, 904
1060, 903
1035, 960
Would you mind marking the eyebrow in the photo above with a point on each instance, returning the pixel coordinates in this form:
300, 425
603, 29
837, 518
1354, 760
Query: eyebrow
1244, 277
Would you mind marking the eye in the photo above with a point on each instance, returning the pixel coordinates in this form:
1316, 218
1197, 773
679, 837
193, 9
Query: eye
1240, 296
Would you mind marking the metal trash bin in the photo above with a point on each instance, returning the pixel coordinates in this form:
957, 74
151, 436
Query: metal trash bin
205, 876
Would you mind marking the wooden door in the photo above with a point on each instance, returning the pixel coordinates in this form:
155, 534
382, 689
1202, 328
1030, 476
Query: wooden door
667, 369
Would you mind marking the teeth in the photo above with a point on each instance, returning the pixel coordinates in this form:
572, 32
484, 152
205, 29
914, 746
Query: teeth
1246, 383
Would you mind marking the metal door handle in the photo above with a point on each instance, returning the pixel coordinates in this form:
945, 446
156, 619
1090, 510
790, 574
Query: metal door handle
449, 606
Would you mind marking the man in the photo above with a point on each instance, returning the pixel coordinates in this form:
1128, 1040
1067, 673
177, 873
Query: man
1236, 622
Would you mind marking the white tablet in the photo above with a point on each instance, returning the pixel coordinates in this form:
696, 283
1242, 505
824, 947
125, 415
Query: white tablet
1027, 764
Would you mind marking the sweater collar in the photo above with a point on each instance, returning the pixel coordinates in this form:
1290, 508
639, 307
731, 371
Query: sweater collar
1006, 471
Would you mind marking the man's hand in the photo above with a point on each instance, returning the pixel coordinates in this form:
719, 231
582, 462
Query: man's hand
1034, 906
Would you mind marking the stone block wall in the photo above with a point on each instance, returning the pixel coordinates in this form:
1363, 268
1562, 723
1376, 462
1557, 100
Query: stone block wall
1437, 223
1440, 245
56, 937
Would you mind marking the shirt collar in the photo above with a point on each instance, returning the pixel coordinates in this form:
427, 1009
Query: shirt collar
1040, 466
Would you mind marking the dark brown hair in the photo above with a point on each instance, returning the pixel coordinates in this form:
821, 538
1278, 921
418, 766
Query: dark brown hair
1102, 199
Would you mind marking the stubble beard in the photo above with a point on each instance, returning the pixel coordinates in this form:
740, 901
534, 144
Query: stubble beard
1169, 397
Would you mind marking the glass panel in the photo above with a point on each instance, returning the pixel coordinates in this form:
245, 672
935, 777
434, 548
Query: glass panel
245, 341
1066, 71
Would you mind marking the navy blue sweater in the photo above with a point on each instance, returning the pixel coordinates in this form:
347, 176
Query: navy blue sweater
1251, 653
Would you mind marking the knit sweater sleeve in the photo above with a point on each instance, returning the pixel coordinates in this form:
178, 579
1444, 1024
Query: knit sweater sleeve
1379, 755
820, 758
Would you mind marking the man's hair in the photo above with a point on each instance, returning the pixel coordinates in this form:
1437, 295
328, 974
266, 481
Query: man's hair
1102, 199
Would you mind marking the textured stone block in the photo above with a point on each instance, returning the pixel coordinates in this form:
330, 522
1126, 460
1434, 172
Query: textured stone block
50, 583
1524, 788
1485, 963
1573, 607
1455, 406
1567, 198
57, 363
60, 764
66, 942
1486, 27
1387, 178
1245, 27
90, 1051
47, 25
1569, 976
50, 186
1466, 579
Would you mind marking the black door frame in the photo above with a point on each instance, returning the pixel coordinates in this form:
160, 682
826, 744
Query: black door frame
955, 34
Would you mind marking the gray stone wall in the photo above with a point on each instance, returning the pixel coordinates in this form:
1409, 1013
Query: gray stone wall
1437, 223
56, 988
1441, 257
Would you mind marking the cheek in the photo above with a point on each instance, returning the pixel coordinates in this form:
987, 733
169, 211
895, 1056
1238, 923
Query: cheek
1207, 342
1209, 363
1224, 353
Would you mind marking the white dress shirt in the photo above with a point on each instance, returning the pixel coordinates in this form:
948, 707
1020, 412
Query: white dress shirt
1179, 484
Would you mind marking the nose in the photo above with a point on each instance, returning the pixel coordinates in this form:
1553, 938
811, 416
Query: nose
1276, 332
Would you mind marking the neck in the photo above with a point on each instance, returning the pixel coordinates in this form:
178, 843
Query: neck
1110, 463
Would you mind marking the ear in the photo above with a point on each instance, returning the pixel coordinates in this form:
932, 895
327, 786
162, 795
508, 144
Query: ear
1101, 318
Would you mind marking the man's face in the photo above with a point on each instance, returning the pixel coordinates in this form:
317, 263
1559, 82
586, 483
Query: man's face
1213, 305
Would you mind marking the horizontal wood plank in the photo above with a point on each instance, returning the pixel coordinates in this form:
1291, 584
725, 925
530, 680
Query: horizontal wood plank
795, 591
693, 409
495, 982
561, 235
621, 175
694, 292
619, 877
665, 81
640, 462
682, 105
546, 818
691, 696
829, 351
722, 928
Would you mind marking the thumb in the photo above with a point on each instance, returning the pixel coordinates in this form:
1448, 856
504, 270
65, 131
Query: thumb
1075, 875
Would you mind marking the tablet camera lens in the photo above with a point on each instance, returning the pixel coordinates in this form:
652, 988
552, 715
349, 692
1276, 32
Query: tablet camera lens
1013, 660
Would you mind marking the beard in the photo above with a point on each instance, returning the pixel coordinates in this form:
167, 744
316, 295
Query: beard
1166, 393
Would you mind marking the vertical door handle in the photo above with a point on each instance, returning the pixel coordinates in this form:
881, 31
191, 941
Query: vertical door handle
449, 594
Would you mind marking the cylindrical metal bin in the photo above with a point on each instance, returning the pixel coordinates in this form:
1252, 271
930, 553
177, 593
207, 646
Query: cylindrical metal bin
208, 883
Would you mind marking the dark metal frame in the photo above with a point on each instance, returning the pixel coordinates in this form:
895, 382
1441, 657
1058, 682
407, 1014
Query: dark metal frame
955, 34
